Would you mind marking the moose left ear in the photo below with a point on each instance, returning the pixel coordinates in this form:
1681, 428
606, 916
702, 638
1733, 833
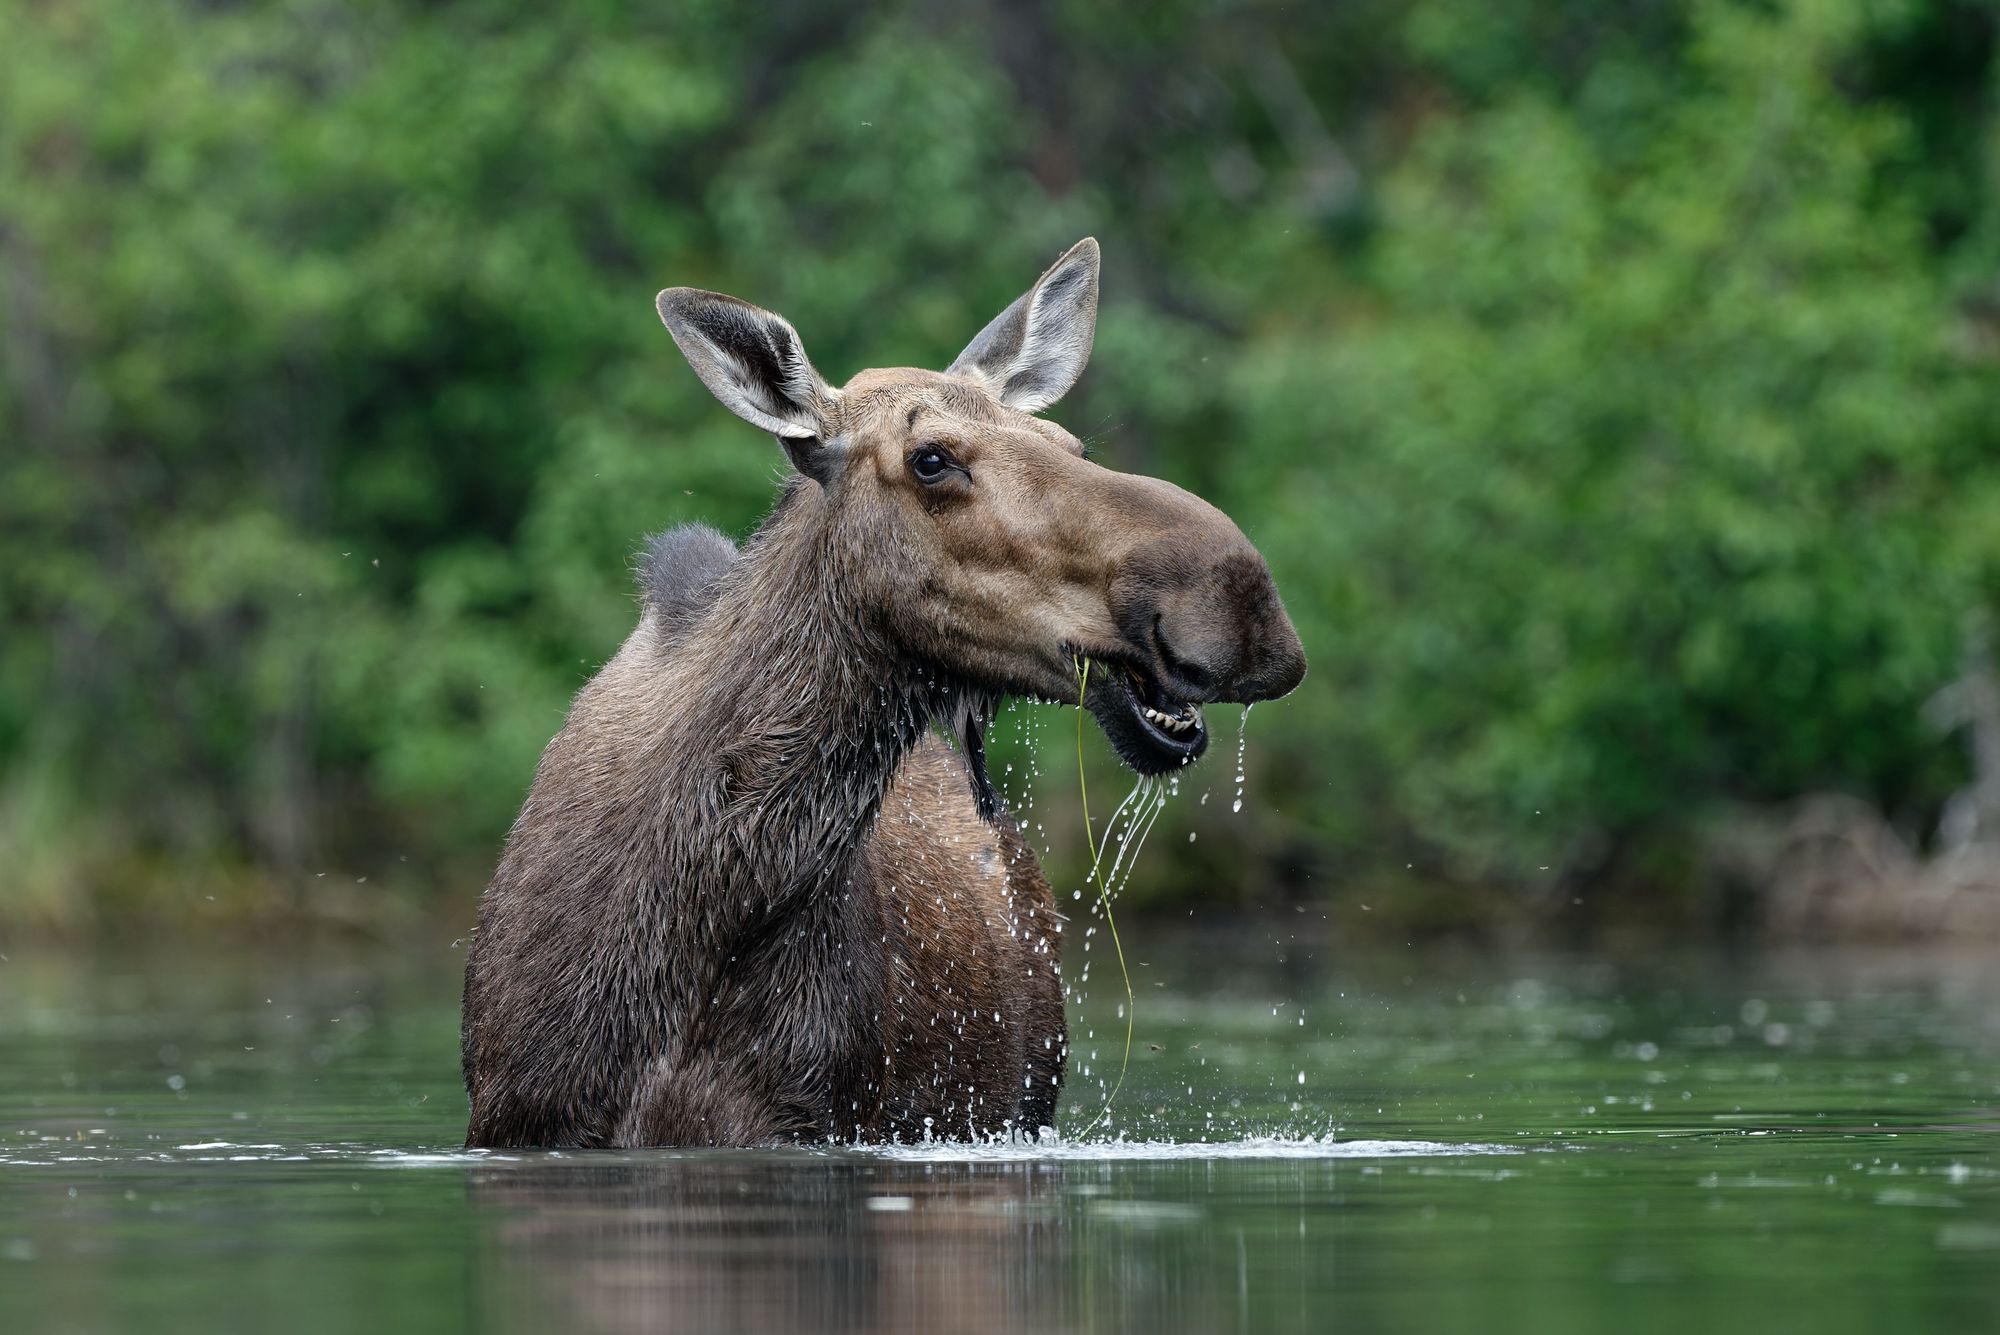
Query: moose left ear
752, 360
1035, 349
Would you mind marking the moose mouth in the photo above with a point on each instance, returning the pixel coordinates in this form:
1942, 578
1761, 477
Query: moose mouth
1152, 730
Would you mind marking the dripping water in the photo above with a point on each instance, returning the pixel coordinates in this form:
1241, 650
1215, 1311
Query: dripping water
1242, 736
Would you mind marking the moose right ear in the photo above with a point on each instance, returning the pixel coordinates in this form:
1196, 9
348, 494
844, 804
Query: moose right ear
1033, 351
753, 361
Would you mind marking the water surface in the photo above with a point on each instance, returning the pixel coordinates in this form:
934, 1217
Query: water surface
1394, 1139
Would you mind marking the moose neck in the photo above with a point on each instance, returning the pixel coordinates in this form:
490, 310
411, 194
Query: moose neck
798, 711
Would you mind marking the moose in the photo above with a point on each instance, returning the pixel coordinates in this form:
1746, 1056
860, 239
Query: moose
762, 889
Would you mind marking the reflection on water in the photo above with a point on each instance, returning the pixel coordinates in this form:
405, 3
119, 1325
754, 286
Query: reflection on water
1410, 1140
875, 1242
937, 1238
731, 1244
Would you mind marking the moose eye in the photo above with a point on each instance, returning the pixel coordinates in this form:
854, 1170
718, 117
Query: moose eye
930, 463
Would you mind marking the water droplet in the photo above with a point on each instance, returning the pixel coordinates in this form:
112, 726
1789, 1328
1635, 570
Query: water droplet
1242, 737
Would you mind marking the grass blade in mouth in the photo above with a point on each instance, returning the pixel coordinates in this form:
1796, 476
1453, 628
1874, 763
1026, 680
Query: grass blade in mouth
1103, 899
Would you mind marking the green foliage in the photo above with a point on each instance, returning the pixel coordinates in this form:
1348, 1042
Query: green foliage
1614, 397
1635, 476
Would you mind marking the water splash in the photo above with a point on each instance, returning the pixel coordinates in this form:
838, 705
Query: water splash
1243, 736
997, 1149
1103, 892
1022, 1149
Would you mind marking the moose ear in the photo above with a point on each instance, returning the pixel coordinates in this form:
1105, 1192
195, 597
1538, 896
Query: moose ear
753, 361
1035, 349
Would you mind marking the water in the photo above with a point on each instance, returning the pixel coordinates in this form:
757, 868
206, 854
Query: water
196, 1140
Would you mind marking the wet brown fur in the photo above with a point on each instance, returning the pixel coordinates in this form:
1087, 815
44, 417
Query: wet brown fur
659, 879
750, 898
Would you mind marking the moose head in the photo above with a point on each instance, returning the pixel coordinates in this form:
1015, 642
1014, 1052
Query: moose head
980, 540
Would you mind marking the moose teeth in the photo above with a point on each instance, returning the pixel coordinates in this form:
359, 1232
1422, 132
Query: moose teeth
1170, 722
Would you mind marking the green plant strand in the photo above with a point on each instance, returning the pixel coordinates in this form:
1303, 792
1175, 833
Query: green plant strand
1103, 898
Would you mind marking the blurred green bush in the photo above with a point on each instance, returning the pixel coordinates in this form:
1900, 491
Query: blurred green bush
1612, 390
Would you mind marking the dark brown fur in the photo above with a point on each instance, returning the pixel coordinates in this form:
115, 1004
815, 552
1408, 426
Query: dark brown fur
751, 897
916, 941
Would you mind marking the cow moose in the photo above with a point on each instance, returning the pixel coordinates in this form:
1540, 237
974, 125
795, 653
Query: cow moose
754, 897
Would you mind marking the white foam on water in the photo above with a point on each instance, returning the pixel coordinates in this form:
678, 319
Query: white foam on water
938, 1151
437, 1159
1170, 1151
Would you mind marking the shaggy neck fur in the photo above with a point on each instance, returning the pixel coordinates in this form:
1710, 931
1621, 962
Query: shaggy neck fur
686, 866
735, 757
788, 713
